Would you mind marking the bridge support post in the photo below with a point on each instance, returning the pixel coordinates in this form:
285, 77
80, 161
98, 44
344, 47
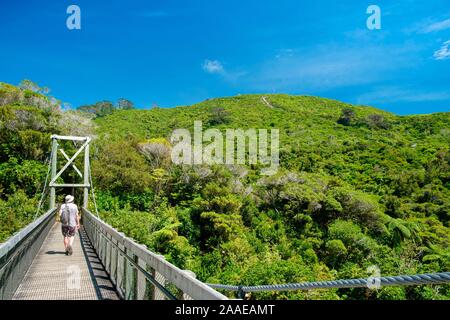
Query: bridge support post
86, 177
241, 293
157, 294
185, 296
54, 159
144, 287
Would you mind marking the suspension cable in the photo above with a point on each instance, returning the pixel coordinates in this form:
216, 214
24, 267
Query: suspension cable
44, 191
403, 280
92, 192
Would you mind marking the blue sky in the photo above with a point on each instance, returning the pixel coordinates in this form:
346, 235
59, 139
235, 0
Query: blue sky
181, 52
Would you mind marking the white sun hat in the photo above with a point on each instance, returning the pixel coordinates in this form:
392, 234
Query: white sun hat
69, 198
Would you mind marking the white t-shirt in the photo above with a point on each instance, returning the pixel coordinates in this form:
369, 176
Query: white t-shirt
73, 209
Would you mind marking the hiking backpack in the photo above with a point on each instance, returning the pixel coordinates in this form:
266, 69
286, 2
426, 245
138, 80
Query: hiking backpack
65, 215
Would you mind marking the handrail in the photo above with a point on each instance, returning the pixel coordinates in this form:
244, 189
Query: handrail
140, 271
18, 252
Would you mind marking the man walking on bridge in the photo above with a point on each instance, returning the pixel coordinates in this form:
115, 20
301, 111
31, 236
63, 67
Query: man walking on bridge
70, 222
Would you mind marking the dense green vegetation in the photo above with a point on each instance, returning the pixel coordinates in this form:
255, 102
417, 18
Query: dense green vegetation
104, 108
357, 187
28, 117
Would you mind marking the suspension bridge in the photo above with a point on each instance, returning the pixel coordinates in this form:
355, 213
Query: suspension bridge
108, 265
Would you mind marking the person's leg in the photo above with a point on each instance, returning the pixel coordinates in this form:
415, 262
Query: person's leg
66, 243
71, 238
65, 235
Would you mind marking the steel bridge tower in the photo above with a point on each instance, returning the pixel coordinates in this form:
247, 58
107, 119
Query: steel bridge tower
55, 175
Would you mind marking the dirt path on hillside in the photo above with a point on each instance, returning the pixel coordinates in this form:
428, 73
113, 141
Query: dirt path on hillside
266, 102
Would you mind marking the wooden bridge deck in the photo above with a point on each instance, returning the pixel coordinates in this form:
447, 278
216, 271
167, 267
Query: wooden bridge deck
55, 276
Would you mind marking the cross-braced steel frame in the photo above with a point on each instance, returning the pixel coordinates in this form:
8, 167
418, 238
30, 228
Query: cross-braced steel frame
55, 175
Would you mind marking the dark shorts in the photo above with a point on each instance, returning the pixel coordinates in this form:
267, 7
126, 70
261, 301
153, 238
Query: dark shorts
68, 231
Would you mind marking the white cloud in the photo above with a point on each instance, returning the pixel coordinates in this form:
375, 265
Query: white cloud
216, 67
443, 52
436, 26
428, 25
213, 66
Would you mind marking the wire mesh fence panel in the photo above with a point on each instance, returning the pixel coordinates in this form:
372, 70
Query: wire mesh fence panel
158, 293
152, 286
141, 282
185, 296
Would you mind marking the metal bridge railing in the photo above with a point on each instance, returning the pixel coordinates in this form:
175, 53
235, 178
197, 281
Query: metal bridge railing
18, 252
138, 273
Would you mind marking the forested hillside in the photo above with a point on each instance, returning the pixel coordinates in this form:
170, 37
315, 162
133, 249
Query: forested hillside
357, 187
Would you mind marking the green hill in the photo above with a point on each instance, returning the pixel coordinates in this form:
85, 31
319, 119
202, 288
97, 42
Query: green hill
375, 152
357, 187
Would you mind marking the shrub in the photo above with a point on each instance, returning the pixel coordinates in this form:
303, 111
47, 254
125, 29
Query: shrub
219, 116
156, 151
347, 116
377, 121
335, 251
120, 168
